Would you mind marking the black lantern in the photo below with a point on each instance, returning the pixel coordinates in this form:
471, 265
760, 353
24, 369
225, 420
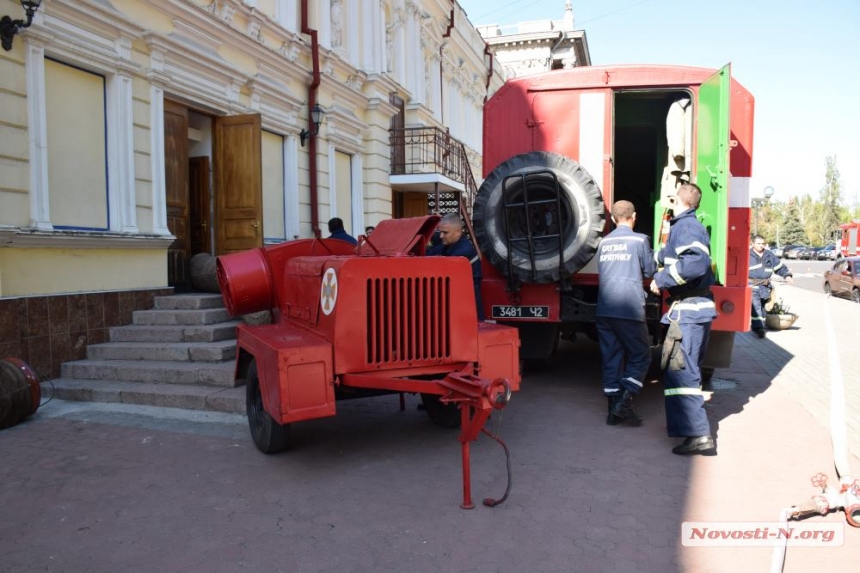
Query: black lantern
10, 27
317, 114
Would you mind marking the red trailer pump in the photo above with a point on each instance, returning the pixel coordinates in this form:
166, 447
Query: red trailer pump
360, 321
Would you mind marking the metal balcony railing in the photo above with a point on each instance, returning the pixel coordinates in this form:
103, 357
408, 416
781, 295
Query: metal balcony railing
416, 150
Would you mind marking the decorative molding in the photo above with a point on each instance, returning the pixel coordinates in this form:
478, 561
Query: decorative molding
32, 238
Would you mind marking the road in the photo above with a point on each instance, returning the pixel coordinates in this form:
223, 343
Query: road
808, 275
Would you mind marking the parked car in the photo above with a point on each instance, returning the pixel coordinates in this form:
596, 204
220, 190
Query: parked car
777, 251
792, 251
809, 253
826, 253
843, 279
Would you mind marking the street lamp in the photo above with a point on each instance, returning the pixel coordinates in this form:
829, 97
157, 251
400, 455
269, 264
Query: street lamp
756, 203
317, 114
10, 27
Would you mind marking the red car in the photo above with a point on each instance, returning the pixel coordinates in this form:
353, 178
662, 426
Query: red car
844, 279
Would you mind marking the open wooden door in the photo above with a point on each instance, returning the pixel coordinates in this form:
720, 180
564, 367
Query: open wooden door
398, 135
198, 185
176, 190
238, 183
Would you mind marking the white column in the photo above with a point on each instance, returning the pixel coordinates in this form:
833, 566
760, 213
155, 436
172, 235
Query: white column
120, 136
356, 187
286, 13
412, 53
156, 156
40, 212
351, 28
292, 222
324, 23
332, 182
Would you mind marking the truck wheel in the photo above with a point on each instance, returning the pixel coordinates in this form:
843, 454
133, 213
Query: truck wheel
580, 222
445, 415
269, 436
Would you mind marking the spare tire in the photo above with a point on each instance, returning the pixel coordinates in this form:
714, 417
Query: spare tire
582, 217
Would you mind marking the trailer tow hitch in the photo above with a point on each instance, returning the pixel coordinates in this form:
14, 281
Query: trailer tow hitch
477, 398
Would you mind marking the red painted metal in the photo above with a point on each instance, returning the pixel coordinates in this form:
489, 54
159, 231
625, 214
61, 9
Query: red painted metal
542, 113
377, 317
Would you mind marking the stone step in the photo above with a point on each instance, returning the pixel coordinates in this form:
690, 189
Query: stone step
162, 372
195, 301
189, 397
181, 317
175, 333
158, 351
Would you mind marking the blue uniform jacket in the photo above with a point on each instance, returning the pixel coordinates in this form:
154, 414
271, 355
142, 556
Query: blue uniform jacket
462, 248
762, 268
344, 236
625, 259
686, 261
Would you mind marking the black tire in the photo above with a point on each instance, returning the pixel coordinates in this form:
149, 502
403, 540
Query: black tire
827, 290
269, 436
582, 217
855, 295
445, 415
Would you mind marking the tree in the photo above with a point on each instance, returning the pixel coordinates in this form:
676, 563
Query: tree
831, 200
792, 229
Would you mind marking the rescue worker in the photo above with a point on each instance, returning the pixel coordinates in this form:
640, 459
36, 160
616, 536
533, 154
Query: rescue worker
336, 231
625, 259
763, 263
455, 243
686, 273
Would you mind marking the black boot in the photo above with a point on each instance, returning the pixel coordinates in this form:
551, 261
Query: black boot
623, 409
611, 419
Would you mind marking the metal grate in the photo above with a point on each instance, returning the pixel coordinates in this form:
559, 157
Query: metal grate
408, 319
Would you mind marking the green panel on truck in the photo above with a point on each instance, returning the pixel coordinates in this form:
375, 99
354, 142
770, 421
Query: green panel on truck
712, 162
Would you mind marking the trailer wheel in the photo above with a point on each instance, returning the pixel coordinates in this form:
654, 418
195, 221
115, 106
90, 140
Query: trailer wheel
827, 289
269, 436
580, 221
445, 415
855, 295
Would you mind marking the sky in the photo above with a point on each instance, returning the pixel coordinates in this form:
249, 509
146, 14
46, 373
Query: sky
800, 60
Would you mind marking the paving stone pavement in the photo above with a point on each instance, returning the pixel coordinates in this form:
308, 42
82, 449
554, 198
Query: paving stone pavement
116, 488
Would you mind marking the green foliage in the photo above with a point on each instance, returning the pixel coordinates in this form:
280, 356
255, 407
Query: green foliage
807, 221
779, 307
792, 229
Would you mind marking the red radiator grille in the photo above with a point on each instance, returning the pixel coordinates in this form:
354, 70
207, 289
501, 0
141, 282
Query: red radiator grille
408, 319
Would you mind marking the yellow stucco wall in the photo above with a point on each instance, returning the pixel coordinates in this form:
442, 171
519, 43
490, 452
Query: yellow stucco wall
30, 271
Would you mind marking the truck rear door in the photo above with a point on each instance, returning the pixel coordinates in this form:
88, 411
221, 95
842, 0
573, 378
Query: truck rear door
712, 163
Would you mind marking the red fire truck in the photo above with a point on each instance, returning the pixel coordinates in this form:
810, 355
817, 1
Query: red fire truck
562, 146
849, 239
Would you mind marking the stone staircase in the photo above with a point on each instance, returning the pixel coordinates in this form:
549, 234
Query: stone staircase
178, 355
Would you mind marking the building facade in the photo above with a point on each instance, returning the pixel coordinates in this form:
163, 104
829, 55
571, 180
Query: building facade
539, 45
138, 133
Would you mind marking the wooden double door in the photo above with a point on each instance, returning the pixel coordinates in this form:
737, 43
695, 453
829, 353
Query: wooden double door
214, 200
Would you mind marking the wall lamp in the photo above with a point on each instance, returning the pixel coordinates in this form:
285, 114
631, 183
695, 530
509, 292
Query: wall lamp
10, 27
317, 114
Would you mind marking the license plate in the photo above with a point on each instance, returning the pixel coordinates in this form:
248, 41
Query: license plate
501, 311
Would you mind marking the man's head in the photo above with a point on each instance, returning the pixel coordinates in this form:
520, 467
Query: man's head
687, 197
335, 224
624, 213
368, 230
759, 244
450, 228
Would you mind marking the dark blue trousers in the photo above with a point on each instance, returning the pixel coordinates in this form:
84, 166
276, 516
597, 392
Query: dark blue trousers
621, 338
760, 295
685, 405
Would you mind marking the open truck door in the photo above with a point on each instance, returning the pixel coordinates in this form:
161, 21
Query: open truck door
712, 160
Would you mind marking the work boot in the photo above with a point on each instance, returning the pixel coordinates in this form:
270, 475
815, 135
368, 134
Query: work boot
696, 445
611, 419
760, 333
623, 409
